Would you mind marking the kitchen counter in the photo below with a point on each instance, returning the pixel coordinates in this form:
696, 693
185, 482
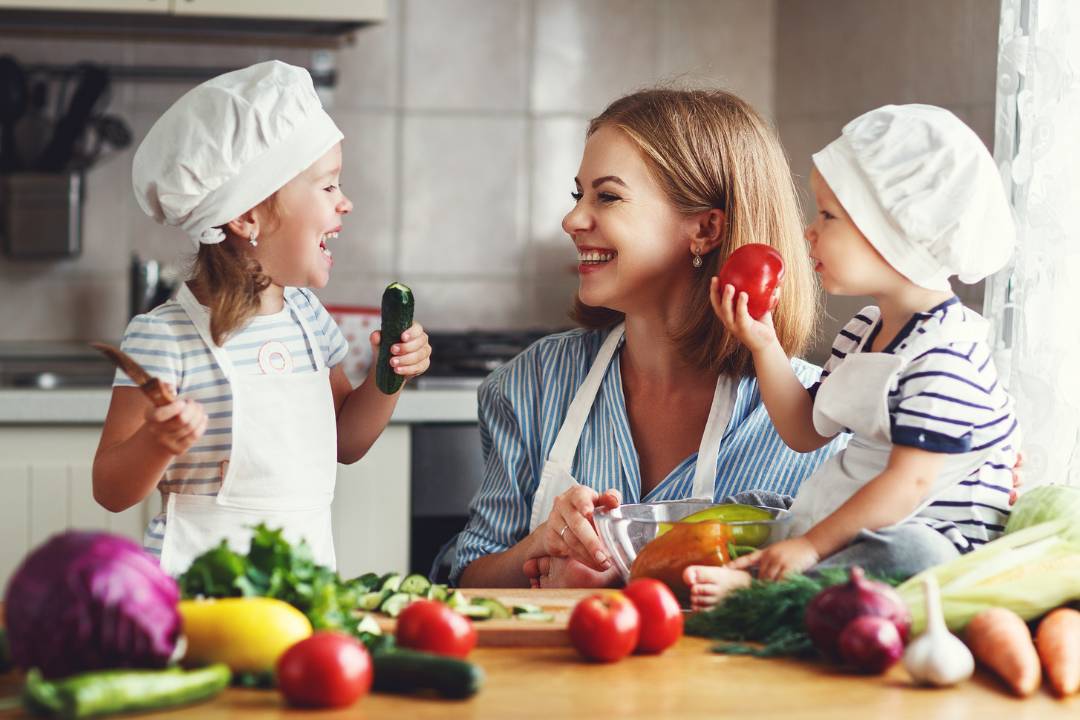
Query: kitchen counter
686, 681
88, 407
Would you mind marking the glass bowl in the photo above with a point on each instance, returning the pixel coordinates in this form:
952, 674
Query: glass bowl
628, 529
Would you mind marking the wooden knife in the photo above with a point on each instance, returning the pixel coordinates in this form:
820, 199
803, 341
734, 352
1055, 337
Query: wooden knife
158, 392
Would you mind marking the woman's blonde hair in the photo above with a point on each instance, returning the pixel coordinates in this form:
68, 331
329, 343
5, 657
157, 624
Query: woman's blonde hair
710, 149
229, 280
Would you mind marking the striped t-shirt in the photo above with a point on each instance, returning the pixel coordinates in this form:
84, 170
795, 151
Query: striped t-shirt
947, 399
522, 406
165, 342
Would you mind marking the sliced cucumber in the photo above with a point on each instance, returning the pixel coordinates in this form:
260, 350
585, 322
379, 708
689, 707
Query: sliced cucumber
373, 600
526, 609
456, 600
394, 604
390, 581
476, 612
535, 617
368, 580
437, 591
498, 610
369, 625
415, 584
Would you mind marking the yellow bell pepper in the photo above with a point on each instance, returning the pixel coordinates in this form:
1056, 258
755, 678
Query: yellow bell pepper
247, 634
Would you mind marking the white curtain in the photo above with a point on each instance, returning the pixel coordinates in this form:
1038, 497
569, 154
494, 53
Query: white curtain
1034, 303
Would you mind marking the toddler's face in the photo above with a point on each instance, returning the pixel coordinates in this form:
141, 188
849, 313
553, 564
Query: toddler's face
846, 261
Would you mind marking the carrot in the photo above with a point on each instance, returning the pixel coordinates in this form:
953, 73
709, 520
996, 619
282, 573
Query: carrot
1058, 642
999, 639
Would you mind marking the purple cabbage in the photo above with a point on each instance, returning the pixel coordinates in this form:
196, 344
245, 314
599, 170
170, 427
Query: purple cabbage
88, 601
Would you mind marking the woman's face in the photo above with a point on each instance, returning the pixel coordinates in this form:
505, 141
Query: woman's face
633, 245
846, 261
294, 247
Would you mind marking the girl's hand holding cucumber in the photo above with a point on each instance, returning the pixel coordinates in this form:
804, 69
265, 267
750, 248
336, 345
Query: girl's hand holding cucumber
404, 352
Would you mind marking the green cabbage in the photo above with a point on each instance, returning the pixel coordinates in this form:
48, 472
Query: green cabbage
1044, 504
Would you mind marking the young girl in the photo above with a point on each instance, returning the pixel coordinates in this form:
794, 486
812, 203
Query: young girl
907, 197
248, 165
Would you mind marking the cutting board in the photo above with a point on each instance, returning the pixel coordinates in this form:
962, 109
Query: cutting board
518, 633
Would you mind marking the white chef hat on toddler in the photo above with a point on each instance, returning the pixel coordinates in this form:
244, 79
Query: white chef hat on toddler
922, 188
229, 144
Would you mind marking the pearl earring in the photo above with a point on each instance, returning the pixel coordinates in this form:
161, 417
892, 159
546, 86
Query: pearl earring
254, 238
696, 262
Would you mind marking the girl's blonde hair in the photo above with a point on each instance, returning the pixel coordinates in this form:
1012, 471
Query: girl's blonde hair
229, 280
710, 149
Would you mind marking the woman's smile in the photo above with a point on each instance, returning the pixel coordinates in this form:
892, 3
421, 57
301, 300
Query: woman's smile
591, 259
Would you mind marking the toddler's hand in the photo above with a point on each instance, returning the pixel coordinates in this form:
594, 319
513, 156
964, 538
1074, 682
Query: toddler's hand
754, 334
178, 425
410, 354
777, 561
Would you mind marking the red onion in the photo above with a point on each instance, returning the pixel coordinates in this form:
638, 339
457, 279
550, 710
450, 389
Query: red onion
833, 608
870, 644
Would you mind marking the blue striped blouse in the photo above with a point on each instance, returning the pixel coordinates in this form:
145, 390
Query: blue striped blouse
523, 404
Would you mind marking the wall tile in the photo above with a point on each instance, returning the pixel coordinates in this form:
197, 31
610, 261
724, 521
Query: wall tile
552, 298
56, 306
802, 137
556, 147
589, 53
985, 19
369, 179
351, 287
725, 43
939, 51
465, 54
477, 303
463, 195
368, 67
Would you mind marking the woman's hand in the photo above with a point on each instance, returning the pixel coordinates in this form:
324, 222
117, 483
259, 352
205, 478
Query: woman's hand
555, 572
569, 531
776, 561
178, 425
410, 355
754, 334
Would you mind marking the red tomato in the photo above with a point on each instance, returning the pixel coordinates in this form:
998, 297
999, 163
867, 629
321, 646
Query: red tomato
605, 627
661, 616
433, 627
327, 670
756, 270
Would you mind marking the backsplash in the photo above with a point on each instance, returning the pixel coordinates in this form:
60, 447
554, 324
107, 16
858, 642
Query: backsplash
464, 122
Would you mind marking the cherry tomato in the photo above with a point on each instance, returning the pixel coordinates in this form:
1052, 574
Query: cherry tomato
605, 627
433, 627
756, 270
661, 616
327, 670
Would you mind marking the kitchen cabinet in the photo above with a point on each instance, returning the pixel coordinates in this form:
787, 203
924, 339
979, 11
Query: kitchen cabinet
130, 6
45, 487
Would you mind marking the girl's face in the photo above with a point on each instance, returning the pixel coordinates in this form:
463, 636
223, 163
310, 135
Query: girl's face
846, 261
633, 245
294, 247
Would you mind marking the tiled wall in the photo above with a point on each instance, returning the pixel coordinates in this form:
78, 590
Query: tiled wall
839, 58
464, 123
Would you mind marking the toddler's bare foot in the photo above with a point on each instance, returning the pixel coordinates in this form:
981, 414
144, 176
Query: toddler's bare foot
709, 585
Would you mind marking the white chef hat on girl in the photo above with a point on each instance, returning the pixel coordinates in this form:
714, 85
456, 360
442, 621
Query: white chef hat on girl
227, 145
922, 188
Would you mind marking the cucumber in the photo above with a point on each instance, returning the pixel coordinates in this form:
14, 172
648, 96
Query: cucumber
476, 612
397, 316
409, 671
394, 604
415, 584
498, 610
373, 600
390, 581
368, 625
437, 591
535, 617
526, 609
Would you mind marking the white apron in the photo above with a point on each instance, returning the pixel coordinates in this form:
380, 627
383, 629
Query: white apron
855, 396
555, 477
282, 467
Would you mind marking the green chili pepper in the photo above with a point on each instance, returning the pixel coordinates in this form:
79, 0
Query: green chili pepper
114, 691
737, 551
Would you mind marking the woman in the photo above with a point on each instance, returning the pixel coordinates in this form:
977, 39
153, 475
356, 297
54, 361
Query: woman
652, 400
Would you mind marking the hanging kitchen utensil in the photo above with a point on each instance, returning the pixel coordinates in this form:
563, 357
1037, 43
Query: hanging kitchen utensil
159, 393
89, 93
13, 102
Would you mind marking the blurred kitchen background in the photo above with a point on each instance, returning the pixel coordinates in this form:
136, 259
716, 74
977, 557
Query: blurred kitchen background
464, 122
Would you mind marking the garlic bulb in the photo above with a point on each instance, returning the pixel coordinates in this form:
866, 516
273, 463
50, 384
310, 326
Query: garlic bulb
937, 657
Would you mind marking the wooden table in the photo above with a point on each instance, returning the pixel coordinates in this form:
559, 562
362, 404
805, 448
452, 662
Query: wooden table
687, 681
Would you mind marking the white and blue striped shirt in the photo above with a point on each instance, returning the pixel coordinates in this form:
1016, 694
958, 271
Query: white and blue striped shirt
947, 399
523, 405
165, 342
